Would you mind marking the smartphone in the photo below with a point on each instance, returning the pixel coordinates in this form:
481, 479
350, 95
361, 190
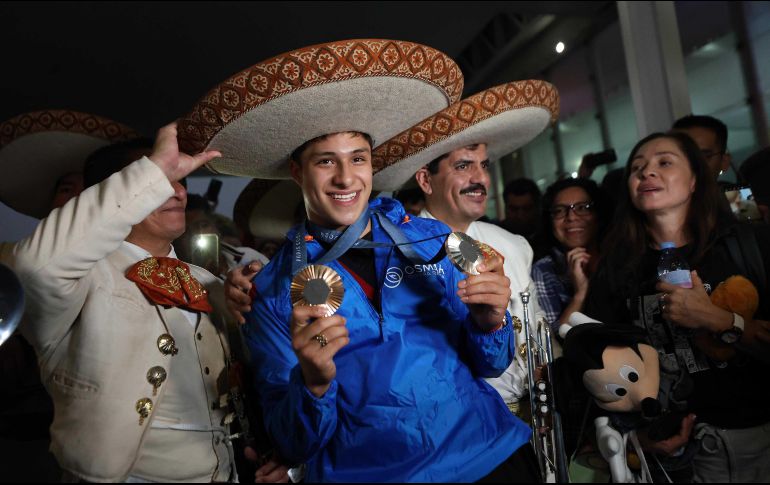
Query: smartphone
593, 160
742, 203
205, 252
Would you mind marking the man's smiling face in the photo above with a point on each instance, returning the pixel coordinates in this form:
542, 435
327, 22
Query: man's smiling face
335, 174
457, 192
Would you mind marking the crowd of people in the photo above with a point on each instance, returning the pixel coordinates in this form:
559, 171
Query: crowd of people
400, 364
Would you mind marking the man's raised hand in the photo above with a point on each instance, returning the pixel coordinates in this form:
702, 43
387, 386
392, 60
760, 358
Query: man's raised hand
175, 164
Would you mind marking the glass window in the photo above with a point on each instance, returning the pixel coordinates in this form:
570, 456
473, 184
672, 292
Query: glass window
717, 88
580, 134
621, 121
540, 159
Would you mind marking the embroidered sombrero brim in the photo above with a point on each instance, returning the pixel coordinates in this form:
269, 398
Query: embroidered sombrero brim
259, 116
38, 148
267, 209
504, 117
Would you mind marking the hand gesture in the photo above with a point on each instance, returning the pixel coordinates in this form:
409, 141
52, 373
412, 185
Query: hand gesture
692, 307
175, 164
316, 340
577, 260
237, 288
487, 294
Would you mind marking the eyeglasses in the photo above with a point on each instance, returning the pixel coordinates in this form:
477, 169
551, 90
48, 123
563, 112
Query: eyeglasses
580, 209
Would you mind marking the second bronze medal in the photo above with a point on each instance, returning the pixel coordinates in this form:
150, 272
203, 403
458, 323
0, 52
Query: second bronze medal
464, 252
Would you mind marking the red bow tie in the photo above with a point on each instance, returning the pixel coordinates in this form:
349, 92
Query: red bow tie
168, 282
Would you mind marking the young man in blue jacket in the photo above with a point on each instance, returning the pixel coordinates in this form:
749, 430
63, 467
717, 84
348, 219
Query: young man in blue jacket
390, 387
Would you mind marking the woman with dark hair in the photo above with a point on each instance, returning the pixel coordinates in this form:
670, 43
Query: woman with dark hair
575, 213
714, 363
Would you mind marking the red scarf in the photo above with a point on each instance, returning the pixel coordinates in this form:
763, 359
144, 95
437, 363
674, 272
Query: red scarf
168, 282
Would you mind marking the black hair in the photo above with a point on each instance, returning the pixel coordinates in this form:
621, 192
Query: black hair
409, 196
523, 186
296, 155
599, 199
708, 122
198, 202
432, 166
112, 159
628, 240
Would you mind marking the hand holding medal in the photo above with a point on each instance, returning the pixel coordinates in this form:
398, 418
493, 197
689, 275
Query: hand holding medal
317, 334
486, 290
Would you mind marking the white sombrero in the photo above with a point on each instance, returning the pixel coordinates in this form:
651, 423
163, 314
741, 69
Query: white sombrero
504, 117
268, 208
259, 116
38, 148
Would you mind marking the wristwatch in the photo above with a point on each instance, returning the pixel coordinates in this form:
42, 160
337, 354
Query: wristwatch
734, 333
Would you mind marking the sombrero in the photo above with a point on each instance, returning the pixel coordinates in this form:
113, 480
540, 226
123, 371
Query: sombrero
257, 117
504, 117
38, 148
268, 208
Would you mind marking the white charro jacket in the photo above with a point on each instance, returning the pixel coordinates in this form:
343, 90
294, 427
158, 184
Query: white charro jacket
96, 335
512, 384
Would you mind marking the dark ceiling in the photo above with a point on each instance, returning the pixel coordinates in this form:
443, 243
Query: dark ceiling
146, 63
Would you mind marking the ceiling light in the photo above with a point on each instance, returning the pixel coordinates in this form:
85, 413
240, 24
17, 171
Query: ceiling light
560, 47
574, 175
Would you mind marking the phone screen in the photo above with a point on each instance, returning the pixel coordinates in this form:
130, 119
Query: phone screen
205, 252
742, 204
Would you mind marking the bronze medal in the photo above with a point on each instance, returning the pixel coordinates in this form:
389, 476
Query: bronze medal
464, 252
167, 345
144, 408
317, 285
156, 376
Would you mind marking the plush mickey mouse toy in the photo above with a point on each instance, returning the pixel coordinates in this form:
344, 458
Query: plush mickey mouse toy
620, 371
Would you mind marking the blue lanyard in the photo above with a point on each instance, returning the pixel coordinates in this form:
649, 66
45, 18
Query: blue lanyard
342, 241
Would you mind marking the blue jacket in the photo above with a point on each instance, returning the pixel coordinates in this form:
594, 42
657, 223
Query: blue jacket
408, 402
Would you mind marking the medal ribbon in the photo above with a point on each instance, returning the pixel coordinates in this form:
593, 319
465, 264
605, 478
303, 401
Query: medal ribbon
349, 238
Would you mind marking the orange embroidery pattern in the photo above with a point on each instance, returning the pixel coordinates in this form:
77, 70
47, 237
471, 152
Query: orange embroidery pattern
465, 113
311, 66
168, 282
64, 120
